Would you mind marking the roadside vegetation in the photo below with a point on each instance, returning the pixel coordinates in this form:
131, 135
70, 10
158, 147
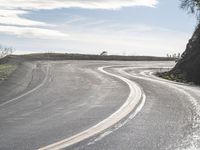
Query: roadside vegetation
173, 77
6, 70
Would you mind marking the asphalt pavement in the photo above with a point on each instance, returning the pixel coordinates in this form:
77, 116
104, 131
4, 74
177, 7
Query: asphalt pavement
46, 102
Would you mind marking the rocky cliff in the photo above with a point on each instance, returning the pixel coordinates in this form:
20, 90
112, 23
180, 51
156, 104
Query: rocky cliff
188, 67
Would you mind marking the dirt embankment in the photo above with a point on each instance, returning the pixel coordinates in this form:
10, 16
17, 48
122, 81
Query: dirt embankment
188, 68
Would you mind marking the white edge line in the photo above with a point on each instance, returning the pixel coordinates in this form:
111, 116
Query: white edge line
134, 98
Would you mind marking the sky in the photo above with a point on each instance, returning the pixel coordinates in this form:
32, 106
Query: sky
120, 27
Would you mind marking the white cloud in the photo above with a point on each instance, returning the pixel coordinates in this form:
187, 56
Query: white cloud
12, 12
12, 17
30, 32
87, 4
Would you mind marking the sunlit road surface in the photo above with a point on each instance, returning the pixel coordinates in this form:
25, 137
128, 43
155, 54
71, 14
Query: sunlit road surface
47, 103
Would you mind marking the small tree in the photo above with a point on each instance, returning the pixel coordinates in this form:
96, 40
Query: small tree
174, 55
4, 51
168, 55
179, 56
104, 53
192, 6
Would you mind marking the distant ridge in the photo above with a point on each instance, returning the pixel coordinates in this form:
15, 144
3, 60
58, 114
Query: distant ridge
59, 56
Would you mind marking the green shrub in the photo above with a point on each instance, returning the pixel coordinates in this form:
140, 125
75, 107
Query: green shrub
6, 70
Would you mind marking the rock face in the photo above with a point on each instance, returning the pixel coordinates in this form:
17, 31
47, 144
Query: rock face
188, 68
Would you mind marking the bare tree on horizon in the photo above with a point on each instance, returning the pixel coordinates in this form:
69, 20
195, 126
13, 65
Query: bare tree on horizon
4, 51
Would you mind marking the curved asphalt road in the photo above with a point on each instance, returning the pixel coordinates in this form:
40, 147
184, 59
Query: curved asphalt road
56, 100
